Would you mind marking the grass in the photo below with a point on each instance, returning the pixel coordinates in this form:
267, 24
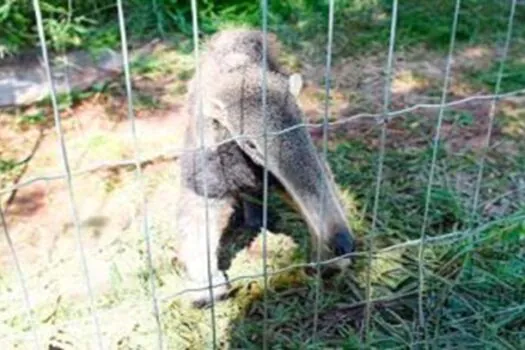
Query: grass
513, 76
460, 300
469, 302
360, 26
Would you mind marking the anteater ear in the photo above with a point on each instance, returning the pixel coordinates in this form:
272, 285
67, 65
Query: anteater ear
295, 84
218, 104
213, 107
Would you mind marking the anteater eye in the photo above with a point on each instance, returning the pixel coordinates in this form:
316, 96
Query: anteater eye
251, 145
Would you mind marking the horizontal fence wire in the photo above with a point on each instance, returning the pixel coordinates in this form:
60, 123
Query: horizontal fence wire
173, 152
445, 239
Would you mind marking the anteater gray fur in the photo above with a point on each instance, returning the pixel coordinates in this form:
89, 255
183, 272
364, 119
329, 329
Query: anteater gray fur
231, 92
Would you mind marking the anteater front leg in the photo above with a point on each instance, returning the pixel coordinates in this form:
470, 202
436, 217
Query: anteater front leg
197, 238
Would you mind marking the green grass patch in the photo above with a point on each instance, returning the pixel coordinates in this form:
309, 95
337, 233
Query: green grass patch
512, 76
473, 287
359, 25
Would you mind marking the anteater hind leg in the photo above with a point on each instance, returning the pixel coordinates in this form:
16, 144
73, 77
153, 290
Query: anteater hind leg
252, 213
252, 205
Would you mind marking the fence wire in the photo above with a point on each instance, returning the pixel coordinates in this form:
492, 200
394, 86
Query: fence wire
68, 175
22, 280
264, 96
486, 144
492, 110
471, 233
175, 151
437, 136
324, 156
445, 239
379, 177
138, 172
201, 125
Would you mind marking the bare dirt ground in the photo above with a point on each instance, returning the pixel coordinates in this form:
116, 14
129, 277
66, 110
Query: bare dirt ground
96, 130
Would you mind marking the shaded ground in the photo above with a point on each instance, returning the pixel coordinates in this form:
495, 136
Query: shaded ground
108, 201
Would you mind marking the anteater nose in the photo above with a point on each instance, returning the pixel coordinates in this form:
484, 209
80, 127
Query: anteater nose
343, 243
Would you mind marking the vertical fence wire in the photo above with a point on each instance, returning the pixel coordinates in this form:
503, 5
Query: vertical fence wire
138, 171
437, 136
201, 124
379, 178
23, 284
486, 146
492, 110
328, 76
264, 69
69, 178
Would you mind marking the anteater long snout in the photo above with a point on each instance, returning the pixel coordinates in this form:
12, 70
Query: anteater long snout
290, 153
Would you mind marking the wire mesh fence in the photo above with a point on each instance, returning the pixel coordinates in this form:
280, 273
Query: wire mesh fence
423, 284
